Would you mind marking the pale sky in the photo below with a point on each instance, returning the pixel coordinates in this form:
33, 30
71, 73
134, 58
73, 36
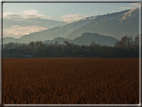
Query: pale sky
56, 11
67, 12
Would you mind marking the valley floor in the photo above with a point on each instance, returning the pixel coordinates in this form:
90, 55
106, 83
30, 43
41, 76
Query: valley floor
70, 81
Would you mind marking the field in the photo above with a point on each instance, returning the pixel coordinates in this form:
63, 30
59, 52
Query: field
70, 81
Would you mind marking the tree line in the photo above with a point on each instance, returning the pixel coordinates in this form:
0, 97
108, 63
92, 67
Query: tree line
127, 47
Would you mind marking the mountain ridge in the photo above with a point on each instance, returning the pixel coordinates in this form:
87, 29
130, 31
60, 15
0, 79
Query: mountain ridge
101, 23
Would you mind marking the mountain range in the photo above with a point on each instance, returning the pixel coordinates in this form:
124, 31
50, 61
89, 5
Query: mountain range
114, 25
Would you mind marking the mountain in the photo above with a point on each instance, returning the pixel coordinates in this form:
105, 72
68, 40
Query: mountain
86, 39
116, 25
59, 31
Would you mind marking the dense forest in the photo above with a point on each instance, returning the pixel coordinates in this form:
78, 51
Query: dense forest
127, 47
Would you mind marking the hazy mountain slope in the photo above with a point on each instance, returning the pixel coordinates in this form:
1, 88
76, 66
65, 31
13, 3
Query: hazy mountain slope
37, 36
112, 24
86, 39
60, 31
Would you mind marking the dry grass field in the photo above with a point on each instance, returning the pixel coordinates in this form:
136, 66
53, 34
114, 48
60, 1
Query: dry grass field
70, 81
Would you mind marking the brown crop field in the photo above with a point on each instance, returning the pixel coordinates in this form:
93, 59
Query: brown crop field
70, 81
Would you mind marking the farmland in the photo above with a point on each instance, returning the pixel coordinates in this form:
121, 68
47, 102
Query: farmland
70, 81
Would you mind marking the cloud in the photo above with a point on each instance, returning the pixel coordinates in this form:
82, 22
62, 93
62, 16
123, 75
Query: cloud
73, 17
135, 5
24, 15
17, 31
125, 7
128, 14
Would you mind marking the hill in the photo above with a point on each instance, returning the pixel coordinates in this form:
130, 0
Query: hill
86, 39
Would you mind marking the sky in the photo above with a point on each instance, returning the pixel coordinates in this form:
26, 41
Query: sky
60, 11
15, 13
